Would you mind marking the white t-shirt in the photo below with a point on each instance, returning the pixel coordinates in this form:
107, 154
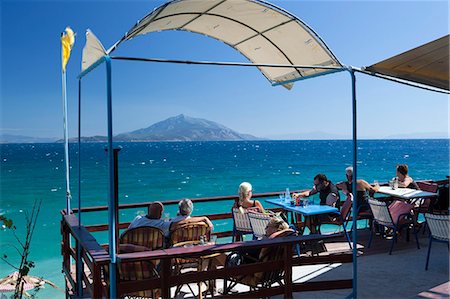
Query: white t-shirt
140, 221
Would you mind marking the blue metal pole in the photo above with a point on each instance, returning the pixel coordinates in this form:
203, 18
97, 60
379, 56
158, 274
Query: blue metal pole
111, 211
354, 187
79, 263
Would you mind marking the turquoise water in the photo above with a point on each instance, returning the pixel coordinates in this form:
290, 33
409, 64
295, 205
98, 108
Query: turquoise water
173, 170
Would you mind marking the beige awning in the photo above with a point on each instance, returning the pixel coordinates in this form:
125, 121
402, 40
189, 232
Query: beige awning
263, 33
427, 64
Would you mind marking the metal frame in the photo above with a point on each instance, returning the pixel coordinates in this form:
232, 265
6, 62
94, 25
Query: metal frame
112, 216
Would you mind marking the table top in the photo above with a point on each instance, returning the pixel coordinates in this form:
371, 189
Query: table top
405, 193
306, 211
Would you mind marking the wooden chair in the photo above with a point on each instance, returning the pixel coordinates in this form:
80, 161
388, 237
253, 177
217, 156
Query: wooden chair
188, 234
396, 217
266, 278
149, 237
140, 239
241, 223
439, 226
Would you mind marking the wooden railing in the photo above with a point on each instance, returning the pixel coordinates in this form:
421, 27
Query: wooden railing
94, 258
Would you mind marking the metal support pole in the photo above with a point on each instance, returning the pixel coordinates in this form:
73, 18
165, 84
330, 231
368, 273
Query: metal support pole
111, 188
79, 261
354, 187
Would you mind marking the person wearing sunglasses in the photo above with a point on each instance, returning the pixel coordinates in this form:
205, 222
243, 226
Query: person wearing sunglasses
328, 192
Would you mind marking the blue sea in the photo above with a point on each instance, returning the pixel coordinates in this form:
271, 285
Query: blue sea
173, 170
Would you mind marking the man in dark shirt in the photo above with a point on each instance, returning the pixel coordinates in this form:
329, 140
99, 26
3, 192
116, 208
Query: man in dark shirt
328, 193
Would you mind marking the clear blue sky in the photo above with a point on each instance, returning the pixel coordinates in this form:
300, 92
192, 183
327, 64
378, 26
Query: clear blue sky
359, 33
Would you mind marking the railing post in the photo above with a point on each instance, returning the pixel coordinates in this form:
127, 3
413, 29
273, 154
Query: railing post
288, 271
165, 277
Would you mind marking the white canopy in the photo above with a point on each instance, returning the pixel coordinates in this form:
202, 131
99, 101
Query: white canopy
263, 33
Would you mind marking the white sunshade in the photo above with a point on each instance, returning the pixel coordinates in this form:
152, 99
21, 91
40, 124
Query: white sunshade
263, 33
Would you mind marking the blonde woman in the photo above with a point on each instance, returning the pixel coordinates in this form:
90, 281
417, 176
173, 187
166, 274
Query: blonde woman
244, 200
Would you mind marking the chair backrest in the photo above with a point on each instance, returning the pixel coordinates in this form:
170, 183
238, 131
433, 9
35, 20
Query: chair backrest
258, 223
241, 220
150, 237
429, 187
190, 232
380, 212
439, 226
347, 206
135, 240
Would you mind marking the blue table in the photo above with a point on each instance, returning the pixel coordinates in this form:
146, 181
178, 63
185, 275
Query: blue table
310, 210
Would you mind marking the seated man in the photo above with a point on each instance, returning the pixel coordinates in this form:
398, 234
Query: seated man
328, 193
152, 219
185, 208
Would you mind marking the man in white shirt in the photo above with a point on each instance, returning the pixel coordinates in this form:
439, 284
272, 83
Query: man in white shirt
153, 219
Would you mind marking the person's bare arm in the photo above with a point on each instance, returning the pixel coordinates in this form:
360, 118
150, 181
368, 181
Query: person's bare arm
366, 186
259, 206
405, 183
305, 193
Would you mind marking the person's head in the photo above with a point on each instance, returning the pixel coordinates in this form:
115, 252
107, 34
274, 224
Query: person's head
402, 170
275, 224
244, 191
320, 181
349, 173
155, 210
185, 207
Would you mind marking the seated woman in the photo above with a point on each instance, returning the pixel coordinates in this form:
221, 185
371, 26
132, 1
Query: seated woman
404, 180
244, 199
362, 189
276, 227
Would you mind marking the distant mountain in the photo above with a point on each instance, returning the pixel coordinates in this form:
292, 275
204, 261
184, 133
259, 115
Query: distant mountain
184, 128
9, 138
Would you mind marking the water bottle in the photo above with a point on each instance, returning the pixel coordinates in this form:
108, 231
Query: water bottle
287, 196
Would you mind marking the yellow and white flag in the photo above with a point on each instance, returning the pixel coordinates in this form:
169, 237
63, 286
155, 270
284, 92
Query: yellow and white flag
67, 41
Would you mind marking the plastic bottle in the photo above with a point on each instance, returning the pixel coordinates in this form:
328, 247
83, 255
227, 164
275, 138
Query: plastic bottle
288, 195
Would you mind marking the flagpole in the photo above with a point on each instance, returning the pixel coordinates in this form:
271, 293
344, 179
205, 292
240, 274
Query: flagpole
66, 141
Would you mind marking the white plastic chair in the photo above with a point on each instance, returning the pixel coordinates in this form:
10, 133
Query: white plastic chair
258, 223
241, 222
439, 230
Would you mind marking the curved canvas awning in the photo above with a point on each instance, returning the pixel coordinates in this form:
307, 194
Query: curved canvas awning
427, 64
263, 33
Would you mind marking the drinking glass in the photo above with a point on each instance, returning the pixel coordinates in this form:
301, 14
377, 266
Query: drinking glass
375, 184
166, 217
213, 239
281, 197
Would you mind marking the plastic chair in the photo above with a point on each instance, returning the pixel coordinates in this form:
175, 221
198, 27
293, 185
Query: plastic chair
258, 223
385, 216
439, 231
241, 223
